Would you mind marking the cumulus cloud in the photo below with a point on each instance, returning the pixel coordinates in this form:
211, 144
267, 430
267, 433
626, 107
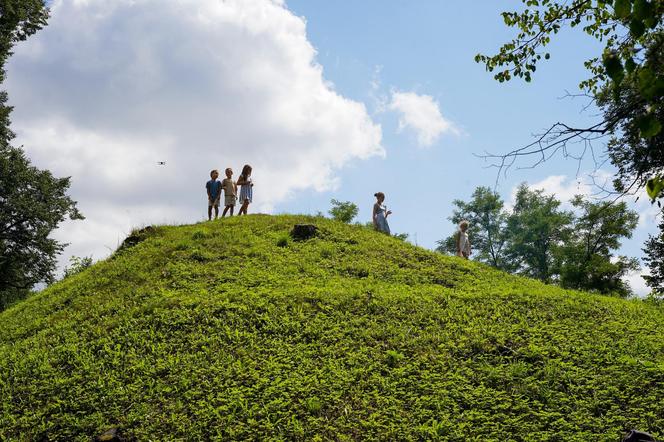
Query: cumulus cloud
637, 283
421, 114
108, 89
565, 188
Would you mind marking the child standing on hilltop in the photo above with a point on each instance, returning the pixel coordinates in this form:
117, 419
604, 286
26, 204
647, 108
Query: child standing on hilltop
214, 193
380, 214
462, 241
246, 189
230, 191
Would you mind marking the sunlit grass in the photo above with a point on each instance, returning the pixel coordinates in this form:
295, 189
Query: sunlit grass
231, 330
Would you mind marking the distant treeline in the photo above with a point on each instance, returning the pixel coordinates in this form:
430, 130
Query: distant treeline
537, 238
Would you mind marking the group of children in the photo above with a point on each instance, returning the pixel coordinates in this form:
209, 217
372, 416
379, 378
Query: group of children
215, 187
229, 187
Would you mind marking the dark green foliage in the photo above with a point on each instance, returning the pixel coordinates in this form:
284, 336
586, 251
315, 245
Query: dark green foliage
536, 228
538, 239
654, 260
587, 260
343, 211
638, 150
34, 202
627, 79
18, 20
351, 335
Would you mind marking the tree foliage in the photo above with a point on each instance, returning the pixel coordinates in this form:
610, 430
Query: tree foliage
536, 230
587, 261
32, 202
487, 219
654, 260
538, 239
76, 265
18, 20
630, 64
343, 211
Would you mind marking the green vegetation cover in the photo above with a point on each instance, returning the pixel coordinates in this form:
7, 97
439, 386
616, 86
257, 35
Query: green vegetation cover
231, 330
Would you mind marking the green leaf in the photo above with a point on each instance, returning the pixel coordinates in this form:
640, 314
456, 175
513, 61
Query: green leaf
654, 187
651, 21
637, 28
630, 65
650, 85
622, 8
613, 67
648, 125
642, 9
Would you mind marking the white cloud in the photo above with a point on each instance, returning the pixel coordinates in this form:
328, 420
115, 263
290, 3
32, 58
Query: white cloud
637, 283
421, 113
565, 188
107, 89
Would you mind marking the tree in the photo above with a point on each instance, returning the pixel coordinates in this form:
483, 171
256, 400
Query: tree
76, 265
32, 202
487, 220
630, 65
654, 259
637, 158
536, 230
400, 236
587, 261
343, 211
19, 19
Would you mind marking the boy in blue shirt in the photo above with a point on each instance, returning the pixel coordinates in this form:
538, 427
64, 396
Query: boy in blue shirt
214, 194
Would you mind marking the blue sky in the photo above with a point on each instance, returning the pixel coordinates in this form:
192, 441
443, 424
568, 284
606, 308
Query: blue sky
428, 47
109, 88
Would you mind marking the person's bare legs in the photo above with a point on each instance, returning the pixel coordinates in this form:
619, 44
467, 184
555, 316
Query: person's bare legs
216, 212
226, 210
209, 213
244, 207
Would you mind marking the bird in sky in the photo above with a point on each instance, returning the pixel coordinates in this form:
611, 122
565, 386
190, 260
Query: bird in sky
161, 163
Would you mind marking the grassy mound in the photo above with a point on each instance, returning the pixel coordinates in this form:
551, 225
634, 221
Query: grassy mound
231, 330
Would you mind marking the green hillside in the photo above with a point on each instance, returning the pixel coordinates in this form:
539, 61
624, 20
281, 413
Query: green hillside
231, 330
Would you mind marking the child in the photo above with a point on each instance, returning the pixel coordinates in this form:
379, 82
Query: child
230, 191
214, 193
246, 189
380, 214
462, 241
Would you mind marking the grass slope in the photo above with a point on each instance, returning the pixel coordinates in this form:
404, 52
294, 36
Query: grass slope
230, 330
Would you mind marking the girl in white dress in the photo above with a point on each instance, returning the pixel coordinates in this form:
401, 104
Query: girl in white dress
380, 214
